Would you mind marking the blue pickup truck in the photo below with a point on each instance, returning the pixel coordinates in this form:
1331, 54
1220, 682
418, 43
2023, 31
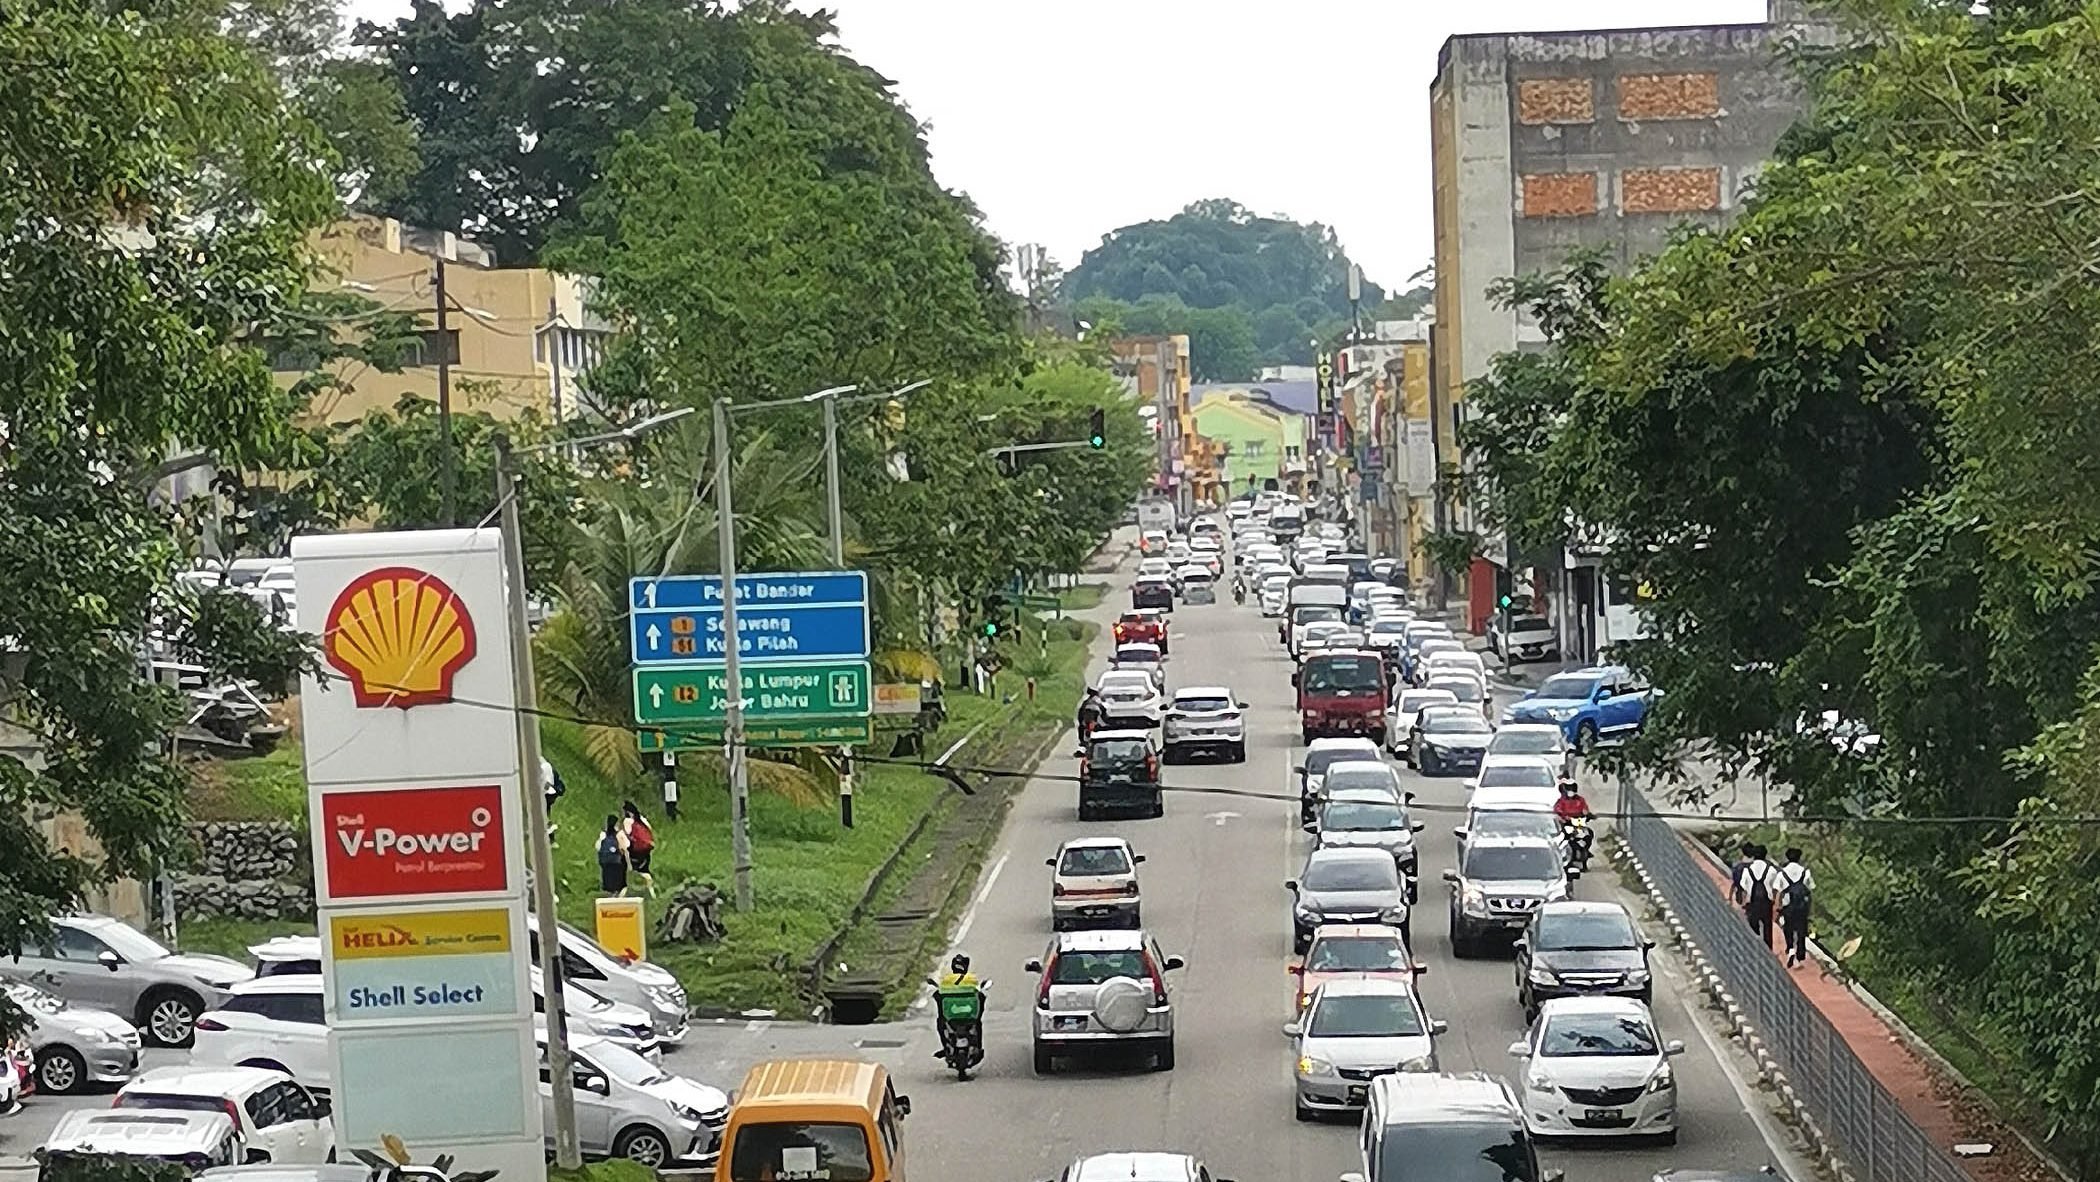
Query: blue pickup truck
1604, 701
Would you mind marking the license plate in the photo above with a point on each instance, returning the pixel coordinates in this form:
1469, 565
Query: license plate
1078, 1023
1600, 1114
1357, 1095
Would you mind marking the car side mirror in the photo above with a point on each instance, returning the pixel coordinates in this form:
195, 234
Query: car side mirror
594, 1083
1407, 798
1351, 1176
1136, 858
1049, 861
1290, 884
109, 960
1439, 1026
1673, 1047
1416, 826
1421, 969
1520, 1050
904, 1106
1310, 826
1520, 944
323, 1108
1451, 876
1647, 942
1294, 679
1298, 768
1459, 832
1292, 1029
1554, 1175
256, 1157
1172, 963
1033, 966
1079, 753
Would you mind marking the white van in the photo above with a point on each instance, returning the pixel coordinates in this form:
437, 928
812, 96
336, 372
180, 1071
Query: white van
193, 1140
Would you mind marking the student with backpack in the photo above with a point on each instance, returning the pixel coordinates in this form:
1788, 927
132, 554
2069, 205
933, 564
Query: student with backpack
1756, 886
612, 858
1796, 891
641, 842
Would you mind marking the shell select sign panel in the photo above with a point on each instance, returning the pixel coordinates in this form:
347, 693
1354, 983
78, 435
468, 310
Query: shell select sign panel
415, 841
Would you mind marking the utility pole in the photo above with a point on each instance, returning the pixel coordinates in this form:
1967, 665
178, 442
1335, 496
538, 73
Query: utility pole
554, 350
732, 669
448, 470
831, 481
567, 1154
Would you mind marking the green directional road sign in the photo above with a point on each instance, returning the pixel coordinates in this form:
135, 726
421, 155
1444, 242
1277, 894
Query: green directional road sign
820, 690
788, 732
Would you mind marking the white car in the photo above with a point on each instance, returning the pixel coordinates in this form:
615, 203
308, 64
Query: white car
10, 1086
1594, 1067
1143, 657
272, 1111
1094, 882
628, 1107
1153, 541
1204, 718
1471, 691
1531, 738
1322, 754
276, 1022
1517, 771
1400, 716
1155, 568
1459, 660
1131, 698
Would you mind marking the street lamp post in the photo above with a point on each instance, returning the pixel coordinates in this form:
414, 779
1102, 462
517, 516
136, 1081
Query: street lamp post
539, 846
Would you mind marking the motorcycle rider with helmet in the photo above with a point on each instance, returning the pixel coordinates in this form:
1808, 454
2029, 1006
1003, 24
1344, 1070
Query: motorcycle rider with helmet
1574, 814
959, 1008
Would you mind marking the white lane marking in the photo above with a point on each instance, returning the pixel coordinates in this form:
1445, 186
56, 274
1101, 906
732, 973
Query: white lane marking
1775, 1137
950, 752
991, 877
1220, 818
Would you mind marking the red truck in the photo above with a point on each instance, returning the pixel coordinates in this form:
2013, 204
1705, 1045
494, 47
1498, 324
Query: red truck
1142, 627
1342, 694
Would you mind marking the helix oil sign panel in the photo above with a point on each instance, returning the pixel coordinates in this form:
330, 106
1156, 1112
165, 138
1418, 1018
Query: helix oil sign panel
393, 965
413, 842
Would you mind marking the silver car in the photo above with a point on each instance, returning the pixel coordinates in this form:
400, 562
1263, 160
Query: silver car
1347, 886
1353, 1031
628, 1107
1368, 818
103, 964
1103, 991
1499, 882
75, 1047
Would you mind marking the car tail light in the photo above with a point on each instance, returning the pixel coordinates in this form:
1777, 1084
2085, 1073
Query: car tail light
210, 1024
1042, 991
1057, 888
1152, 767
1130, 888
1159, 983
233, 1112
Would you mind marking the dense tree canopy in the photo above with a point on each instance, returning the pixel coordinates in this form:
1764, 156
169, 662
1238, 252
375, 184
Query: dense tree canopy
1250, 290
1851, 443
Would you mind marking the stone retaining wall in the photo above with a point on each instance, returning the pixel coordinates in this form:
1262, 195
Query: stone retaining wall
247, 870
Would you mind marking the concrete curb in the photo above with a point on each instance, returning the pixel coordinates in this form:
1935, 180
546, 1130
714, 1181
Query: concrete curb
1739, 1025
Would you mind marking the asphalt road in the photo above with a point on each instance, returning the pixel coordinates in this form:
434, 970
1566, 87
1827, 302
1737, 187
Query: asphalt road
1213, 889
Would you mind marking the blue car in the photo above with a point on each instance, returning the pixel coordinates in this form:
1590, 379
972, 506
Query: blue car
1605, 701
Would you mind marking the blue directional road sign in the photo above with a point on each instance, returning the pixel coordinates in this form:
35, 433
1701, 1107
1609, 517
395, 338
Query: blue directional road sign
780, 617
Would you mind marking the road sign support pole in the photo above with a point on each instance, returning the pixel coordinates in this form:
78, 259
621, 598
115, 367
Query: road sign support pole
831, 481
567, 1154
732, 670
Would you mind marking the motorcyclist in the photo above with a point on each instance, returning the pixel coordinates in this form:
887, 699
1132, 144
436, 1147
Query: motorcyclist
1092, 713
1571, 805
957, 979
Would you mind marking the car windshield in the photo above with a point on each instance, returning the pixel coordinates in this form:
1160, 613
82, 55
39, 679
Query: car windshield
1567, 687
1092, 968
1342, 777
167, 1101
1518, 775
1579, 1036
1327, 674
627, 1066
1512, 863
1388, 627
1356, 954
1530, 624
1480, 1152
1365, 1016
1094, 859
1466, 690
1138, 684
1136, 654
1523, 742
1352, 874
1513, 823
1450, 721
1120, 751
800, 1151
1356, 816
1314, 613
1586, 932
130, 943
1204, 704
1319, 759
1416, 701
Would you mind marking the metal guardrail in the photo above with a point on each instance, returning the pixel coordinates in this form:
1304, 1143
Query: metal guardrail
1867, 1127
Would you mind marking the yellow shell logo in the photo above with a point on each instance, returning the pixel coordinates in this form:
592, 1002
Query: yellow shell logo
399, 635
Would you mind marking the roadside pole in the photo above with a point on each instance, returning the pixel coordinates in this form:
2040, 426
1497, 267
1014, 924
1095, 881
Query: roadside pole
831, 481
732, 669
567, 1154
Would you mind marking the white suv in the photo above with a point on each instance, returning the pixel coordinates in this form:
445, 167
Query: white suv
277, 1022
1595, 1067
1204, 718
273, 1113
1103, 991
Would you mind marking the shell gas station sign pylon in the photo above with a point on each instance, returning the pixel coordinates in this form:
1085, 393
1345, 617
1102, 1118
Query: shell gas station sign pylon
416, 816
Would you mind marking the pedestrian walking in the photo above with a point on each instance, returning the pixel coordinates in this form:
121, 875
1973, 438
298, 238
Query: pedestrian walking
612, 858
1756, 887
640, 841
1797, 886
1735, 872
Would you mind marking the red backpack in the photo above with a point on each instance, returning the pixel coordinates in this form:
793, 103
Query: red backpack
640, 838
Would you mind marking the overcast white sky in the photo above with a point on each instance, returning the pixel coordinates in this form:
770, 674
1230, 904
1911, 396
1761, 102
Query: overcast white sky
1065, 119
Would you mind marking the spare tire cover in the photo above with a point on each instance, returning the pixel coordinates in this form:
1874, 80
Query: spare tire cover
1120, 1003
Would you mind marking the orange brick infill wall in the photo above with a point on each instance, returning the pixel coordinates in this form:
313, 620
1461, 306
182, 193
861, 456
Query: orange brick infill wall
1669, 190
1669, 96
1559, 194
1555, 100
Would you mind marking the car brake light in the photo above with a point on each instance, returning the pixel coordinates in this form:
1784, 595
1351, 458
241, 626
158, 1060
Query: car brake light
1130, 888
1152, 767
210, 1024
1042, 991
233, 1112
1159, 983
1057, 888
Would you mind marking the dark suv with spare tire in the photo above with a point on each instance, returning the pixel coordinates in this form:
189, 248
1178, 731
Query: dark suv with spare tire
1119, 773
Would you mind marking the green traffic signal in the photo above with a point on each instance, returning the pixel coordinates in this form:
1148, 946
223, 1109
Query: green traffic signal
1505, 601
991, 627
1097, 428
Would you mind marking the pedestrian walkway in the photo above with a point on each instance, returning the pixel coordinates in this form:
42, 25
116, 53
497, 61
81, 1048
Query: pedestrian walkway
1929, 1100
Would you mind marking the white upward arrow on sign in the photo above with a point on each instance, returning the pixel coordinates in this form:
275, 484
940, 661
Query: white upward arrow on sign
655, 637
649, 593
656, 695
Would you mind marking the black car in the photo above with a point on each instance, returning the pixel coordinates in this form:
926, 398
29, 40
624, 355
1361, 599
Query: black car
1573, 949
1119, 773
1449, 739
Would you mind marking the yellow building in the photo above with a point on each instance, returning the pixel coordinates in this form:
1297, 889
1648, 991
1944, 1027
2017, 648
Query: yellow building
515, 338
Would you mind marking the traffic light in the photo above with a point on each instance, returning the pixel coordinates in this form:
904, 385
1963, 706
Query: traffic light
1505, 602
1097, 428
991, 628
992, 607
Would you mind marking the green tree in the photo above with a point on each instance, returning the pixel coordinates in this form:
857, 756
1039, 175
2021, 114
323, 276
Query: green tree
171, 191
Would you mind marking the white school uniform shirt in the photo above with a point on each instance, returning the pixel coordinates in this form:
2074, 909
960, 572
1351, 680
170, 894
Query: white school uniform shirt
1757, 871
1792, 873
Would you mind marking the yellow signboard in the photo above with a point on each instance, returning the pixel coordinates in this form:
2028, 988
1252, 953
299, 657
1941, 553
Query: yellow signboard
420, 933
896, 698
621, 930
